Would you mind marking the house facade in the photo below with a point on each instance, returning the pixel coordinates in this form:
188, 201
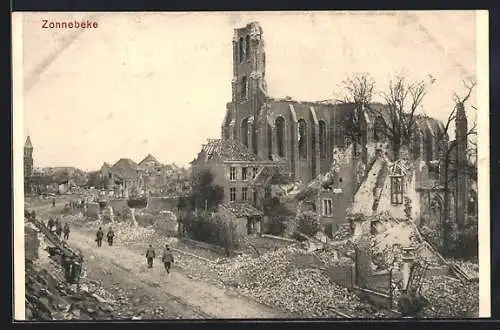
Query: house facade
235, 169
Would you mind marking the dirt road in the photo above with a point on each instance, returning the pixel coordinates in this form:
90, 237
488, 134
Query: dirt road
177, 294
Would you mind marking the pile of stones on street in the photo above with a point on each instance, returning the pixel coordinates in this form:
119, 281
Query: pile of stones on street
278, 279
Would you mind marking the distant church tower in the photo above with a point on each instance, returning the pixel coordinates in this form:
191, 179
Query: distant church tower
462, 187
249, 69
28, 165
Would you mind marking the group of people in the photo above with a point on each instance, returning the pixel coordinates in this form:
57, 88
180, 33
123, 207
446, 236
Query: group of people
57, 227
109, 236
167, 257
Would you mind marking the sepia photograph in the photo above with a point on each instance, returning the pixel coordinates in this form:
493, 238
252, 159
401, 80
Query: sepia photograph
251, 165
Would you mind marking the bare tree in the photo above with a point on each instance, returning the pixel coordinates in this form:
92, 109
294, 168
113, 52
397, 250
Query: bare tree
358, 91
402, 102
446, 160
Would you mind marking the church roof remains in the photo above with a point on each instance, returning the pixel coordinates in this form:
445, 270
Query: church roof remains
226, 150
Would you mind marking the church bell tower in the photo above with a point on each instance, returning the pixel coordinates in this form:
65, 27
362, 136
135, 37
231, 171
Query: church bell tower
248, 84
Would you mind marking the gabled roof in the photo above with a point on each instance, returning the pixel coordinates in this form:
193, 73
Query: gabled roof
226, 150
241, 209
125, 168
105, 167
150, 159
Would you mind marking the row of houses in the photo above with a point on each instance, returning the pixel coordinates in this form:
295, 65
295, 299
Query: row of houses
149, 177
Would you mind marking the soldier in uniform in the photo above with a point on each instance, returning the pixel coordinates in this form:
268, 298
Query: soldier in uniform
150, 255
167, 258
99, 237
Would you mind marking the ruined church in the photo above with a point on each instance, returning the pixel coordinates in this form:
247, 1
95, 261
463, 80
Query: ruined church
303, 135
306, 137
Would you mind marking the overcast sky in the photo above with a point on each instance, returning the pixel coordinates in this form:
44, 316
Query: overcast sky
159, 82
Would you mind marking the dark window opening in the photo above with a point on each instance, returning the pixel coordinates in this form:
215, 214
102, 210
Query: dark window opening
244, 171
302, 139
280, 136
322, 139
240, 48
232, 174
244, 87
267, 192
232, 194
247, 47
244, 132
244, 194
397, 190
327, 208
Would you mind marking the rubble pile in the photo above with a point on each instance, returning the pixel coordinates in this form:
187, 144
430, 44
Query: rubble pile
277, 279
333, 257
450, 298
344, 232
49, 297
391, 235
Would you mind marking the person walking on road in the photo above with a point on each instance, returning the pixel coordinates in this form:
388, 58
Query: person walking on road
167, 258
53, 202
66, 231
150, 255
99, 237
58, 229
110, 236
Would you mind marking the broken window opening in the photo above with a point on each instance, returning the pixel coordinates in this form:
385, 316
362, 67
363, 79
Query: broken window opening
255, 170
240, 48
280, 136
302, 139
397, 190
244, 132
247, 47
322, 139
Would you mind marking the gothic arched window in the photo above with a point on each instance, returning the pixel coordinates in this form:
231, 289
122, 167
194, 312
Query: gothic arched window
244, 132
244, 87
240, 49
280, 136
322, 139
247, 47
302, 139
